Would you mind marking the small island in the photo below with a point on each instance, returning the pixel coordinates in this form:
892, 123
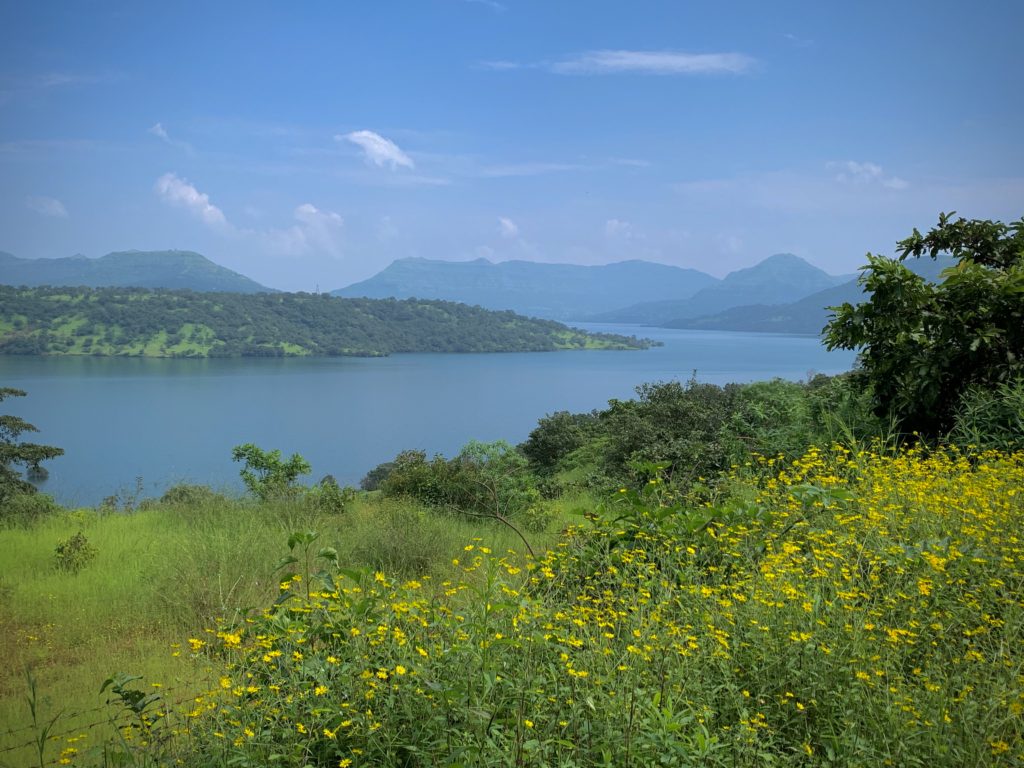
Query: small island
142, 322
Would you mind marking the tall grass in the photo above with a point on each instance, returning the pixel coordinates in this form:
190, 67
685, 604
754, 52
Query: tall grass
161, 575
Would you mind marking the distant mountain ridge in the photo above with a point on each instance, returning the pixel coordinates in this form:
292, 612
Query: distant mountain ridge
779, 279
553, 291
809, 315
140, 269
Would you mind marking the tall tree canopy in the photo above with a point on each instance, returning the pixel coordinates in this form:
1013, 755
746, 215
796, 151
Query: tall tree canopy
923, 344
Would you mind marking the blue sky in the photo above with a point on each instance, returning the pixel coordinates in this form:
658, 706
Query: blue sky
309, 144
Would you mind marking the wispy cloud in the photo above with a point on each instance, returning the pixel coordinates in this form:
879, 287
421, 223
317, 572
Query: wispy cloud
615, 62
378, 150
161, 133
47, 206
314, 230
507, 228
12, 85
502, 65
617, 228
176, 191
799, 42
652, 63
528, 169
853, 172
494, 5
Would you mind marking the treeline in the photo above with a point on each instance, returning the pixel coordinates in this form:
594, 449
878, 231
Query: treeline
165, 323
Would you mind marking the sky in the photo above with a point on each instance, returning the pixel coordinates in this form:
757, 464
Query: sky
308, 145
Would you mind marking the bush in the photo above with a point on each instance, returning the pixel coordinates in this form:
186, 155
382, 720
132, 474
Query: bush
327, 497
188, 495
991, 418
484, 480
74, 553
27, 508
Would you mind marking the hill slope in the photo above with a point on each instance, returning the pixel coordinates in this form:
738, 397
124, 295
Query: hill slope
806, 316
140, 269
141, 322
556, 291
779, 279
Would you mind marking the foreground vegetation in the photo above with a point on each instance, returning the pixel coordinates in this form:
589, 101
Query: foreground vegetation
164, 323
765, 574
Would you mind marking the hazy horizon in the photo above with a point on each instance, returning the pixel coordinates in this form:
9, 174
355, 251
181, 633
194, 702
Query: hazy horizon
314, 146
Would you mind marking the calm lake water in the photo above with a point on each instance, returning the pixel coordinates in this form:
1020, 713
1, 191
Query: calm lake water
170, 421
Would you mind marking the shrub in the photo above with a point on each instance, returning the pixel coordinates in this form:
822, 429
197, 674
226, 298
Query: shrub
266, 475
74, 553
327, 497
27, 508
991, 418
188, 495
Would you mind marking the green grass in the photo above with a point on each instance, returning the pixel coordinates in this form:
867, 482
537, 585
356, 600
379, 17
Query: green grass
164, 574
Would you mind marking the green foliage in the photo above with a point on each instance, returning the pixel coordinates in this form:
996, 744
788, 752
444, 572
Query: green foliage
922, 345
165, 323
681, 425
74, 553
805, 621
190, 495
26, 509
991, 418
328, 498
485, 480
373, 479
555, 437
266, 475
14, 454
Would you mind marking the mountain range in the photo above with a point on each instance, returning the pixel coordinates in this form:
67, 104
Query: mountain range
552, 291
779, 279
139, 269
782, 294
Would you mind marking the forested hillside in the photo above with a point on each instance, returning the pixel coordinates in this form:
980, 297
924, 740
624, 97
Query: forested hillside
139, 269
157, 323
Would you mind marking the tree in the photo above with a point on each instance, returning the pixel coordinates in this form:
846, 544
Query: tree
265, 474
923, 345
14, 454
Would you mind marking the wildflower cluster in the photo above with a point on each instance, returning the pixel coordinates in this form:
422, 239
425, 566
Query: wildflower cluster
845, 609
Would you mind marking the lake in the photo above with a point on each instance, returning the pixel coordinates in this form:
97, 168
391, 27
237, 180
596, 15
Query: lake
169, 421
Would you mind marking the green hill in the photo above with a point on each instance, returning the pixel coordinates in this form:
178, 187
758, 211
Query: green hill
556, 291
779, 279
140, 269
160, 323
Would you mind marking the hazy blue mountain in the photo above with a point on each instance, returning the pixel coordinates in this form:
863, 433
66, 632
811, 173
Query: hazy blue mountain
554, 291
779, 279
808, 315
140, 269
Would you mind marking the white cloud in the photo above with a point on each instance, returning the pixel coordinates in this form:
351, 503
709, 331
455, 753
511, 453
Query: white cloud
378, 150
507, 228
161, 133
47, 206
315, 230
652, 63
853, 172
618, 228
177, 191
